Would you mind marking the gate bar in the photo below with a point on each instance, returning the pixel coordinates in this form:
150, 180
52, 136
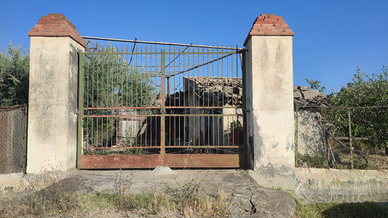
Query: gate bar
80, 106
161, 43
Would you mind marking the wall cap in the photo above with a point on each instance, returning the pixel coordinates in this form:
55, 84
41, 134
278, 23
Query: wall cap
269, 25
56, 25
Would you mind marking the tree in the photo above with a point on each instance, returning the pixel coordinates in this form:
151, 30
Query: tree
110, 82
364, 90
367, 97
315, 84
14, 75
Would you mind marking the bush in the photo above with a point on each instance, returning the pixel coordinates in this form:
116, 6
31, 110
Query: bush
14, 75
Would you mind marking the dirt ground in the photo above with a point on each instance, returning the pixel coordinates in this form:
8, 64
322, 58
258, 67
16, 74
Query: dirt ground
242, 191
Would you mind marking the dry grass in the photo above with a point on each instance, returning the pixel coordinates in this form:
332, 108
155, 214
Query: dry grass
67, 197
377, 158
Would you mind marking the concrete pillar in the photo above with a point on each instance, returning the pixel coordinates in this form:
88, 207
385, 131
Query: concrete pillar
269, 99
53, 98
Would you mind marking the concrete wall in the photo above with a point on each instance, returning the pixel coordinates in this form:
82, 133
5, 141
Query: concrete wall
271, 116
270, 109
52, 120
332, 185
53, 95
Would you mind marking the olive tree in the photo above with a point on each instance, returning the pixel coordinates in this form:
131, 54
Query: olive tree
14, 75
366, 97
110, 82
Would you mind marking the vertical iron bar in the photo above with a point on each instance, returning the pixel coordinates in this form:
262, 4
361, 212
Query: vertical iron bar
162, 108
80, 105
244, 156
350, 139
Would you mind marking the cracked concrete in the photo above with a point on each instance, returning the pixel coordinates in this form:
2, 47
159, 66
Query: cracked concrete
241, 191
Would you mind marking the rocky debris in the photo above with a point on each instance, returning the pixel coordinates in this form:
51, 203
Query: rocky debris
216, 91
305, 98
217, 81
225, 90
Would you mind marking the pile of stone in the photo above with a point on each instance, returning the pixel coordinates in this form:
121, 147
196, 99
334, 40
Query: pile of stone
217, 81
306, 98
219, 90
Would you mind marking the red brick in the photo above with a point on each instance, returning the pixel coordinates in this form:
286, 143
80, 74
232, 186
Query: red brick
56, 25
35, 34
268, 25
278, 30
48, 34
257, 34
272, 34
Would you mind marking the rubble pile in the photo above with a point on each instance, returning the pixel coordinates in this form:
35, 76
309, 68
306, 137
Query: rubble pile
306, 98
219, 90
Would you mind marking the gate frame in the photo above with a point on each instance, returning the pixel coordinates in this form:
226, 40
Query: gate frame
162, 159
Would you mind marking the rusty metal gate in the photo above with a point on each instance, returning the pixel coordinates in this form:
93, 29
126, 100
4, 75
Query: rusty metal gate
146, 104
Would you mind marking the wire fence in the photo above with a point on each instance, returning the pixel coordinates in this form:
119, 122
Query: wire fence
342, 137
13, 131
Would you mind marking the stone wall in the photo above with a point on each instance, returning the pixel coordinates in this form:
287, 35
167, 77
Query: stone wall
308, 104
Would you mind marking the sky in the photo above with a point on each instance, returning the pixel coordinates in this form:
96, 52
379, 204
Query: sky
332, 37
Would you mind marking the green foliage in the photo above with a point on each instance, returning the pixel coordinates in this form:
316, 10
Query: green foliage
367, 209
314, 161
236, 126
109, 81
315, 84
364, 95
138, 151
14, 71
364, 90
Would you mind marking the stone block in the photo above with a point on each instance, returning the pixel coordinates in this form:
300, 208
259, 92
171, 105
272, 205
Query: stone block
303, 88
297, 94
309, 94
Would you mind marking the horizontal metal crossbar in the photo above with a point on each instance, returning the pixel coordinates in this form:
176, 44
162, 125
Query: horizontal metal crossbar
167, 115
147, 147
161, 43
158, 53
167, 107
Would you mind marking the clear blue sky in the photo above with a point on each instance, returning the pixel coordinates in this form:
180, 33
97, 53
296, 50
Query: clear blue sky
332, 37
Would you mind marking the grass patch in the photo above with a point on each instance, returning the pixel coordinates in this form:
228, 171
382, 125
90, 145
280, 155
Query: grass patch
113, 151
314, 160
377, 158
66, 198
343, 210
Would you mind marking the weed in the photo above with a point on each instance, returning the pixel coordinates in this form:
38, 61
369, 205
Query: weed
191, 199
315, 160
187, 191
65, 198
113, 151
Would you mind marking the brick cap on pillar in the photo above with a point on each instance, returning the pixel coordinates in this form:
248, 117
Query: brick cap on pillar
269, 25
56, 25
